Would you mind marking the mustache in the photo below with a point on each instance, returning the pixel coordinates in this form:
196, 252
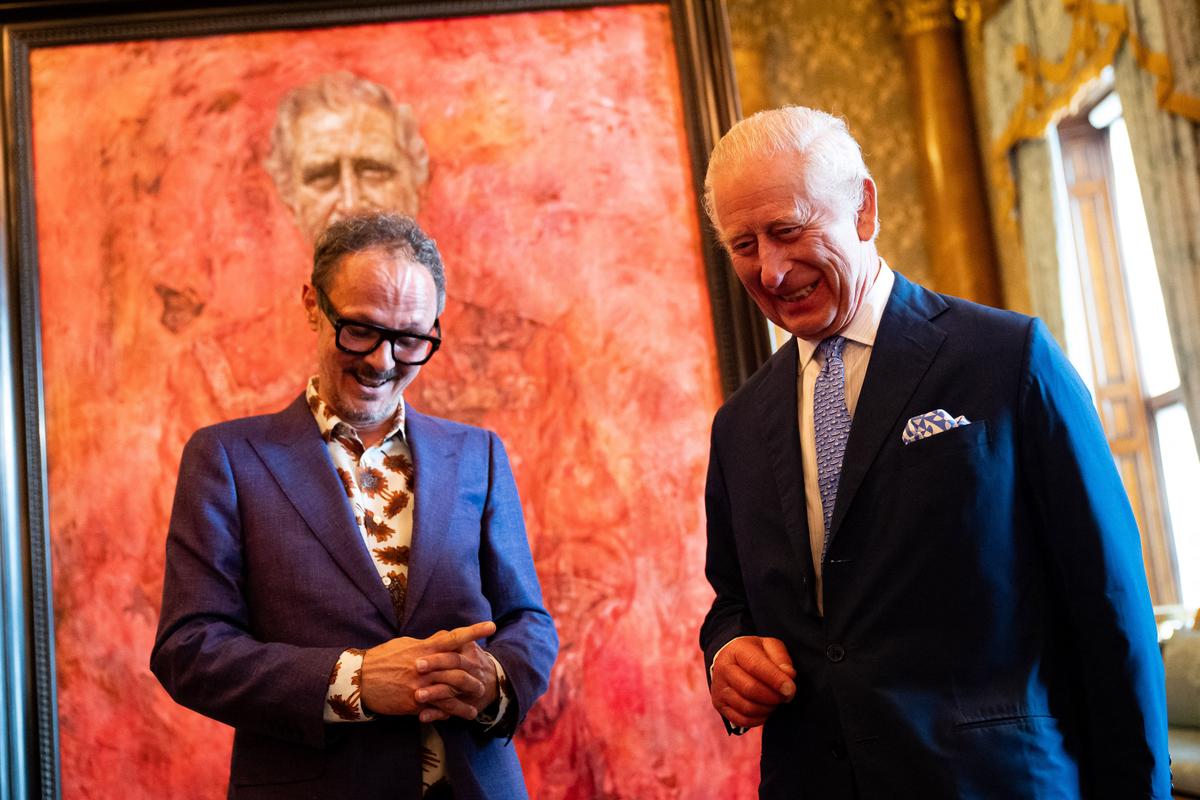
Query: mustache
370, 374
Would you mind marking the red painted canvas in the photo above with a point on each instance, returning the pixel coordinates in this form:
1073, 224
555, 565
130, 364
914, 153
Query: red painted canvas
578, 326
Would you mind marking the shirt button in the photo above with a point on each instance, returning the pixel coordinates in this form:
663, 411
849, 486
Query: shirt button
387, 581
835, 652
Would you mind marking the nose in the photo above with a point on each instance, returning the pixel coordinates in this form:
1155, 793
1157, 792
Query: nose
348, 190
380, 359
773, 265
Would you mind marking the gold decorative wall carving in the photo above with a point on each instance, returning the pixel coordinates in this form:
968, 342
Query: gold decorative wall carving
922, 16
1098, 29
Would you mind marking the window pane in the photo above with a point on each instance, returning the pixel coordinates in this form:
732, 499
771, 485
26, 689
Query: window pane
1181, 474
1155, 356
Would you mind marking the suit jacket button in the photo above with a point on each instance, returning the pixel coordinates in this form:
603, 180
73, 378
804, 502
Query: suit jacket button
835, 652
837, 749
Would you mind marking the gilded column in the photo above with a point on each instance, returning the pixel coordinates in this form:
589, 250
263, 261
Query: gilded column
959, 232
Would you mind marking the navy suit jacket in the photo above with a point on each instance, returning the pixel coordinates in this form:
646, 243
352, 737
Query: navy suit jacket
267, 582
987, 630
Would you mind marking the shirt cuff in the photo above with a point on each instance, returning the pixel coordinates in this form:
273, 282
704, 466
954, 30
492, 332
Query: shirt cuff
494, 714
343, 700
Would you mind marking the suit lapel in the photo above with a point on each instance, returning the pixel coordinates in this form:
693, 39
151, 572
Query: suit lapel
436, 458
905, 346
298, 457
780, 428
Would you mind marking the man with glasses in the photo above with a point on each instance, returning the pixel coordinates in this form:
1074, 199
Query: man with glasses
348, 582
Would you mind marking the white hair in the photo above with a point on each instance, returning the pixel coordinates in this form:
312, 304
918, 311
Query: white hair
832, 160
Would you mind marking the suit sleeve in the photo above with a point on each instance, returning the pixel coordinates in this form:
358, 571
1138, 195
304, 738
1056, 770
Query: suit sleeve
203, 654
525, 642
729, 617
1096, 555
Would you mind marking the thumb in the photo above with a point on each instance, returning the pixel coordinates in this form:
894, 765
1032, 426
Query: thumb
776, 650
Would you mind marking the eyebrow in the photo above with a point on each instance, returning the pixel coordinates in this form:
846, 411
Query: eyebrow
371, 163
327, 169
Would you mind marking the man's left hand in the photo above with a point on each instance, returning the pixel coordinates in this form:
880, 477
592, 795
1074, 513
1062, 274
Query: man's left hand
437, 698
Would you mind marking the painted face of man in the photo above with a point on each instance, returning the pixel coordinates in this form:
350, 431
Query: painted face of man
347, 161
381, 289
806, 259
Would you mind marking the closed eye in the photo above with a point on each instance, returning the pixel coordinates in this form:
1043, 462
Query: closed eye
321, 176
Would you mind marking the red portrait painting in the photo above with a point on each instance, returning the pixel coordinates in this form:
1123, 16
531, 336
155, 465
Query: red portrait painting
547, 154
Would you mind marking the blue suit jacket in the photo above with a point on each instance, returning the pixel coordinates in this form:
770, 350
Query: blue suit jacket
987, 629
268, 581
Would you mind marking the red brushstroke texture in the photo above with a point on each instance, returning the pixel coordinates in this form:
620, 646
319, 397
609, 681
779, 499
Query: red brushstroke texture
578, 327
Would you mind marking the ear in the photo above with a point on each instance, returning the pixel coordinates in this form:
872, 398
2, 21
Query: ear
308, 297
867, 212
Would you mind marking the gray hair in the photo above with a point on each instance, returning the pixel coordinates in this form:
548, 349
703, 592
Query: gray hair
392, 233
336, 91
832, 159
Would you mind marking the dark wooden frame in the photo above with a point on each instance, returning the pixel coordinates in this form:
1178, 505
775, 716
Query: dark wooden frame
29, 763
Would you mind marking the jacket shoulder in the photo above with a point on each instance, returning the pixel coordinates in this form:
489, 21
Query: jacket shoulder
295, 417
742, 400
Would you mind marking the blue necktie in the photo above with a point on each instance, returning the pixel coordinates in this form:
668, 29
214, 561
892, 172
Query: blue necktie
831, 425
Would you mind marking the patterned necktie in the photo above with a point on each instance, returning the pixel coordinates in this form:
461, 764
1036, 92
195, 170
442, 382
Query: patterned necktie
831, 425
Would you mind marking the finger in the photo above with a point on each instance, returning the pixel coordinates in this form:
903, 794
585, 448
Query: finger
448, 684
455, 639
436, 662
756, 662
457, 708
778, 653
728, 699
432, 715
750, 687
742, 720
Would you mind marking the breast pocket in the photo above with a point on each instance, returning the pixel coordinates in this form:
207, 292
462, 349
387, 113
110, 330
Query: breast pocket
944, 445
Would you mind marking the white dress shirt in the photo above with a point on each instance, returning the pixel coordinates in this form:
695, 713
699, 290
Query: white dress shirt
860, 340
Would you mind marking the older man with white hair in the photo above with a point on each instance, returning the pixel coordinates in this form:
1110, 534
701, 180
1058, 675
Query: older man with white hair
928, 578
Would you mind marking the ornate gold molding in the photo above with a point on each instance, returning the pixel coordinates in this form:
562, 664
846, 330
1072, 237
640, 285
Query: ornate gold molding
973, 14
1098, 30
914, 17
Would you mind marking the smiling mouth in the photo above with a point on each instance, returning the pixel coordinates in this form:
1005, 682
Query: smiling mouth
796, 297
373, 381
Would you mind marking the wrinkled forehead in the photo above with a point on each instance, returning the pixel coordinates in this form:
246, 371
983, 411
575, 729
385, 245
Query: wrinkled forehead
321, 130
384, 279
781, 177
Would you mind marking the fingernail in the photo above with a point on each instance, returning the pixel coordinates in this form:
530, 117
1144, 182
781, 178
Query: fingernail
422, 694
788, 688
425, 716
422, 664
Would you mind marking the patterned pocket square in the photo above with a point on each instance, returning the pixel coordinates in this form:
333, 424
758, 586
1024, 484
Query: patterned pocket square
930, 423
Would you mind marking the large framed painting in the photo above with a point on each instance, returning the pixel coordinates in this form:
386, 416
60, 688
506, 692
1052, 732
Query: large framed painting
165, 174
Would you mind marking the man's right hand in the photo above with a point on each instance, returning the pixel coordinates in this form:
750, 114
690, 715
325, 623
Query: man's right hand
750, 677
391, 677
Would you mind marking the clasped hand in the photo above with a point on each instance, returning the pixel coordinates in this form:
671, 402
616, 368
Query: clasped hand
446, 675
750, 677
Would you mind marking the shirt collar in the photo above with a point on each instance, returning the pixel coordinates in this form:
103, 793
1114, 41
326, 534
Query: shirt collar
865, 323
331, 425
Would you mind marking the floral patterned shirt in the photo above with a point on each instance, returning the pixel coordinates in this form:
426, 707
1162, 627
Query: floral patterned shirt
379, 484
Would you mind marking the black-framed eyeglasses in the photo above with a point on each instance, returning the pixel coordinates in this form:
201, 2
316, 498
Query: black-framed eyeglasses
362, 338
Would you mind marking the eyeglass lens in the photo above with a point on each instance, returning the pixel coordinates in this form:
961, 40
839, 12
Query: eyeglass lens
361, 339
